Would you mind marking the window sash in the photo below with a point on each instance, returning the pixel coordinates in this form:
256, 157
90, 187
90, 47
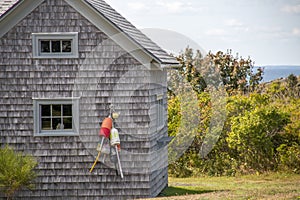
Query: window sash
67, 45
52, 117
63, 47
69, 124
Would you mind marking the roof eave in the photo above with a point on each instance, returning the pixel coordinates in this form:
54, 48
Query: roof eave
16, 13
10, 9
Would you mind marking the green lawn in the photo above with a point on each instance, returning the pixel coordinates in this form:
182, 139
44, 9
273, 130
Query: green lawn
266, 186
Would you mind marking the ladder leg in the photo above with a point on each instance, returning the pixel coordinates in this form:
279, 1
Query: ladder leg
119, 162
98, 156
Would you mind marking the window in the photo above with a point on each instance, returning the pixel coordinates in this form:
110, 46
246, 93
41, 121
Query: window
56, 117
55, 45
160, 111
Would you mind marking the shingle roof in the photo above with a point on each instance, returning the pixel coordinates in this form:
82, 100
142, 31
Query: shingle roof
109, 13
121, 23
5, 5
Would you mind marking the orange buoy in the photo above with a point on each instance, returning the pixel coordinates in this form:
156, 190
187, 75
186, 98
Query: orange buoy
107, 123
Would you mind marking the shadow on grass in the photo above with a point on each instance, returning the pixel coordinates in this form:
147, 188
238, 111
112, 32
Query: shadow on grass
178, 191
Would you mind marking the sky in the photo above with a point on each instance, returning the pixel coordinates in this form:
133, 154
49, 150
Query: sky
266, 30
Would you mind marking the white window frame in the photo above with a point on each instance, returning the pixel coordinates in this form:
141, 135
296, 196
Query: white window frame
37, 102
36, 44
160, 111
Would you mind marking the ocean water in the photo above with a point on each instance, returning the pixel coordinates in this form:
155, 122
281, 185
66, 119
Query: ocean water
276, 72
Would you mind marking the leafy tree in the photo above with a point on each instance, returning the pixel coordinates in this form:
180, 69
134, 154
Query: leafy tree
285, 89
16, 171
190, 69
237, 73
174, 115
292, 81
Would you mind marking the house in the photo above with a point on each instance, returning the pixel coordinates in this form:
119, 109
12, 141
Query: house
63, 65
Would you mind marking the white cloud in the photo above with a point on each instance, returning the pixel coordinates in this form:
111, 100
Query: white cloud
137, 6
296, 32
164, 6
172, 7
271, 33
291, 8
175, 7
222, 36
216, 32
233, 23
237, 25
268, 29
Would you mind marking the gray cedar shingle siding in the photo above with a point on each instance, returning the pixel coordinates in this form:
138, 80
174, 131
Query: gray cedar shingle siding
64, 162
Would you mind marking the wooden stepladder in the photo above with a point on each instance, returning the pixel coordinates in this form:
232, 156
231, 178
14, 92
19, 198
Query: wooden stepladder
108, 132
104, 133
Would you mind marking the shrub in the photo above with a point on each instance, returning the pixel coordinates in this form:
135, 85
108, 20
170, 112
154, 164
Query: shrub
16, 171
289, 157
252, 136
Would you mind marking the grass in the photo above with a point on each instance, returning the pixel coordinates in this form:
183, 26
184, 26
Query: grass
265, 186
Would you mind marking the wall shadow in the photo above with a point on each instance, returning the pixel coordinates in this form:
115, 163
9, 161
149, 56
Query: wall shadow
178, 191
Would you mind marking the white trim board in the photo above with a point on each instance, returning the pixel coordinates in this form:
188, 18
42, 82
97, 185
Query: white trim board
15, 15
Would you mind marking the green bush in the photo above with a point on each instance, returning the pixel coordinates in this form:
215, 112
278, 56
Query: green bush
252, 136
289, 157
16, 171
261, 130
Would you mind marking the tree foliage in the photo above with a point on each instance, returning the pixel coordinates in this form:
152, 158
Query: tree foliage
262, 127
252, 135
236, 73
16, 171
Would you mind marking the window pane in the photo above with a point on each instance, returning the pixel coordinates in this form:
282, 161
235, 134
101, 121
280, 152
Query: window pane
68, 123
55, 46
66, 46
46, 124
56, 110
45, 110
67, 110
45, 46
56, 124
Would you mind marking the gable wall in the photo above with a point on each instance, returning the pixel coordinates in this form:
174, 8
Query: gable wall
108, 75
